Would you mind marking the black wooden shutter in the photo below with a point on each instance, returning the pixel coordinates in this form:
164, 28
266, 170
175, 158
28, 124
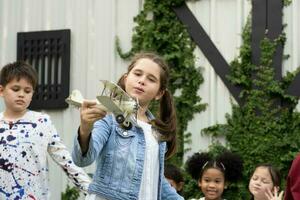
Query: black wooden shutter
49, 53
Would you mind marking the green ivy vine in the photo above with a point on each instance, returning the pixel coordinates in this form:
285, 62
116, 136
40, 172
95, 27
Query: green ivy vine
159, 30
71, 193
265, 129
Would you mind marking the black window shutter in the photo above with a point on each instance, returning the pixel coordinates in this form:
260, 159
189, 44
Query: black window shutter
49, 53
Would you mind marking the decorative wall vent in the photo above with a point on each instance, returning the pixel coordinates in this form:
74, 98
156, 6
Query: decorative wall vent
49, 53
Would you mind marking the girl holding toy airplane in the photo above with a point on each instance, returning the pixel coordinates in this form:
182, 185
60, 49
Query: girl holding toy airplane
130, 163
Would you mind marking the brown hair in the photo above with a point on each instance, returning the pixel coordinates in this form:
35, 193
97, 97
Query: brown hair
18, 70
274, 173
166, 122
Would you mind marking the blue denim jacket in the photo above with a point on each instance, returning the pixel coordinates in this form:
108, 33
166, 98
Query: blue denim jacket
119, 155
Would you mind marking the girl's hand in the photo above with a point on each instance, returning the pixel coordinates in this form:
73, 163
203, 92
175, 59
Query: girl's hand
274, 196
89, 113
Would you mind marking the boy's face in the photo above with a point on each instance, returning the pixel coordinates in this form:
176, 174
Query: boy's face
17, 95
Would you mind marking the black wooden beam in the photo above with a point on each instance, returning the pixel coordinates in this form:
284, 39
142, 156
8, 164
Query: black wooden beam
259, 24
274, 18
267, 22
207, 47
294, 88
274, 30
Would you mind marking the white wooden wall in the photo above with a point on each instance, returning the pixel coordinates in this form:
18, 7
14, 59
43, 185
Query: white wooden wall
224, 21
94, 25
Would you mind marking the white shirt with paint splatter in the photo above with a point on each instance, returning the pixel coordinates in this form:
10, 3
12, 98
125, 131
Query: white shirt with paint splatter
24, 145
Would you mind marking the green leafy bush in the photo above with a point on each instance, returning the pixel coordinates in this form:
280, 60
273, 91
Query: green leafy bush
71, 193
266, 127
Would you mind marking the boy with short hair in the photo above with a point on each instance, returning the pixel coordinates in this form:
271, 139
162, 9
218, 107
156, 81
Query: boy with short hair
25, 139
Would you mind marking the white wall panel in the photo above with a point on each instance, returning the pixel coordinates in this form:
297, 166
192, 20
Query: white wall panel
223, 21
94, 26
292, 19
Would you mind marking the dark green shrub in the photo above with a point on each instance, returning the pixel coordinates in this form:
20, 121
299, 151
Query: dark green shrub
71, 193
266, 127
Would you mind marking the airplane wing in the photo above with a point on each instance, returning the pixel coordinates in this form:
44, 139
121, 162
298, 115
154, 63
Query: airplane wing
113, 99
116, 90
122, 113
76, 99
110, 104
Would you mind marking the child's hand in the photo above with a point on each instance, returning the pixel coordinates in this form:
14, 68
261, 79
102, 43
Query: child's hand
89, 113
274, 196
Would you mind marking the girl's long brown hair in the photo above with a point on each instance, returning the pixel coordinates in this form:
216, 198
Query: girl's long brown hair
166, 122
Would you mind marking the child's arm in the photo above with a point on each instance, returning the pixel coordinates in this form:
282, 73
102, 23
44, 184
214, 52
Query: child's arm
98, 138
168, 192
89, 114
62, 157
59, 153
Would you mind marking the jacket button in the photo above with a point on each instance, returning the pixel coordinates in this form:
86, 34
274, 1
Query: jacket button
125, 133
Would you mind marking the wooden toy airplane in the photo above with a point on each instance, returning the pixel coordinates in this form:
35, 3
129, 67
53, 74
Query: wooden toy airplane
112, 99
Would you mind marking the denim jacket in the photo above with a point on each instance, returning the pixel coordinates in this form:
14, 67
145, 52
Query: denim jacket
119, 156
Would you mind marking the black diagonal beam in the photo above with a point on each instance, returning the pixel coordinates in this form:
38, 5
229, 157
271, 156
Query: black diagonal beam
266, 21
207, 47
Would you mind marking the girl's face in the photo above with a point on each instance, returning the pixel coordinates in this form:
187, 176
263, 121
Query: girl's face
212, 184
143, 81
260, 182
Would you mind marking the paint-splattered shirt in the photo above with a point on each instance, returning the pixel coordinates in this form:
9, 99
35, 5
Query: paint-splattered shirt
24, 145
